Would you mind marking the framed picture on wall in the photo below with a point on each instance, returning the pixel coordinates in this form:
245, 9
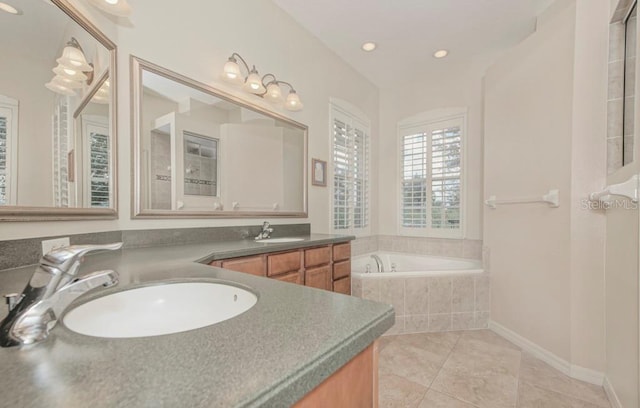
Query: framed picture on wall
318, 172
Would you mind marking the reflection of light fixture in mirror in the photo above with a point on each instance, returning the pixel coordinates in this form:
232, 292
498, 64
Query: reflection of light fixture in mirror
66, 82
71, 71
252, 83
71, 74
73, 57
8, 8
119, 8
57, 88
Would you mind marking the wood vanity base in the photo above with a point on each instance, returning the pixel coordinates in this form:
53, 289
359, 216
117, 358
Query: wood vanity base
355, 385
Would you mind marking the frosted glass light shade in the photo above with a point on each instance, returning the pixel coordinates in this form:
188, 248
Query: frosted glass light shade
293, 102
70, 73
253, 83
274, 93
60, 89
231, 72
74, 58
66, 82
119, 8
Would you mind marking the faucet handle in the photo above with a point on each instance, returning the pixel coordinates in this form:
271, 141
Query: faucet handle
12, 299
63, 258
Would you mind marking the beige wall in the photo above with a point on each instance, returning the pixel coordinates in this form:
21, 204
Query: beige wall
545, 127
461, 87
528, 151
197, 45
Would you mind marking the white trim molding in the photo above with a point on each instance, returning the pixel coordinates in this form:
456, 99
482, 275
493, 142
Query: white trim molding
565, 367
611, 394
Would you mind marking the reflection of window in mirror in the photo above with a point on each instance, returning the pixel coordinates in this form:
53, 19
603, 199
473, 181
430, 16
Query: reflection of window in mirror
8, 149
629, 84
61, 133
96, 142
200, 165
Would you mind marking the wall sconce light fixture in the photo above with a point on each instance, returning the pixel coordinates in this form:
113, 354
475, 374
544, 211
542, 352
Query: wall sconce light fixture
267, 86
118, 8
71, 71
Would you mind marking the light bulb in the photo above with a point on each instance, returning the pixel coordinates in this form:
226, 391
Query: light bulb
112, 2
66, 82
73, 57
253, 83
293, 102
274, 94
231, 72
72, 74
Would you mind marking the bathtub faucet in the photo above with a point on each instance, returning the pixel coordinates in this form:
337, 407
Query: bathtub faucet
379, 263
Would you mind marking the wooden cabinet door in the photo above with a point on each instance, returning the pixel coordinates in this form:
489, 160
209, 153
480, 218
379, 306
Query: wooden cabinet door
342, 252
294, 277
317, 256
282, 263
341, 270
319, 278
342, 286
255, 265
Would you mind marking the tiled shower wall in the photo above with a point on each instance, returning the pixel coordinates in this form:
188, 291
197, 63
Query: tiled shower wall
452, 248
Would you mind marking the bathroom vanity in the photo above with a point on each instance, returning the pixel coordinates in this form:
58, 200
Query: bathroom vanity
298, 346
325, 267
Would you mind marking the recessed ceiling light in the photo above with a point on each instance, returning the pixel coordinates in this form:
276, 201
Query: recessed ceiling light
369, 46
441, 53
9, 9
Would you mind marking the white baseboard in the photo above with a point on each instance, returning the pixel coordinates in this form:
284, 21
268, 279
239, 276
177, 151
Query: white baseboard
611, 393
565, 367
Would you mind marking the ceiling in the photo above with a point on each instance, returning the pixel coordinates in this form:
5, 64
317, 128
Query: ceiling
409, 31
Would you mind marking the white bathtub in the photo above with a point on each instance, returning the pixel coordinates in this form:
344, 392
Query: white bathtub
404, 265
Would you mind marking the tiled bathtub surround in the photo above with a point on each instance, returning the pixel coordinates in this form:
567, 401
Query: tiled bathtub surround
453, 248
432, 303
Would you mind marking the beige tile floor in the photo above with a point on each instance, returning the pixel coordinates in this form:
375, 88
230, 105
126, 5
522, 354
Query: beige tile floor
470, 369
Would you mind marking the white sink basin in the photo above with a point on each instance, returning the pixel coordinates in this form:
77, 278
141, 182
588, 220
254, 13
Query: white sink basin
159, 309
279, 240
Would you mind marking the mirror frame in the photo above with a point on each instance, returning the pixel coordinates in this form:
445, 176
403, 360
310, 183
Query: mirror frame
137, 66
26, 213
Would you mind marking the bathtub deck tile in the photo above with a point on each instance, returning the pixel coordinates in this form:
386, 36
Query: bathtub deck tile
416, 323
440, 295
463, 293
416, 296
439, 322
462, 321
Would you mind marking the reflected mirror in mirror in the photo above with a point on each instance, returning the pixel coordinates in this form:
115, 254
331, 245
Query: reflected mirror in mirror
202, 153
56, 115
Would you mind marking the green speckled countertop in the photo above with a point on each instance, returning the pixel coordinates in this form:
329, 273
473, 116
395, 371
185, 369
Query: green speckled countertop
272, 355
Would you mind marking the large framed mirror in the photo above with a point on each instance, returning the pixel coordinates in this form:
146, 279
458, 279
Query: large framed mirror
200, 152
57, 115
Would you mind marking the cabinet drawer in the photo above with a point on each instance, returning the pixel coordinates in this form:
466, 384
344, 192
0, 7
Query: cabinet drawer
294, 277
342, 252
341, 269
283, 263
342, 286
319, 278
317, 256
255, 265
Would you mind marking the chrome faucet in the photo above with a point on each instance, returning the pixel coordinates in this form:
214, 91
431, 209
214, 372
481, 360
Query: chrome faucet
266, 231
53, 286
379, 263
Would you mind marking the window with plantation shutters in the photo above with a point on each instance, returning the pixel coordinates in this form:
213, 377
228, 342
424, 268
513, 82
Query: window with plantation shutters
99, 159
8, 149
350, 169
431, 178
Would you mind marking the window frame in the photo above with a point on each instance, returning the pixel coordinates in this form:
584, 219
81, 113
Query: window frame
349, 114
423, 122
